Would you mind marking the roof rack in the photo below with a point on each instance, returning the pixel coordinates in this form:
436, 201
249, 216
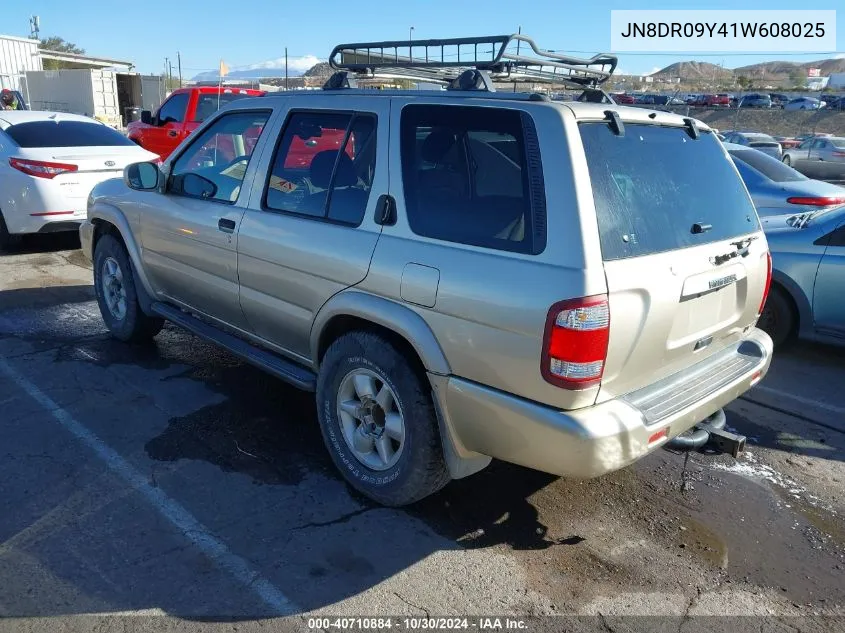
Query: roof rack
467, 63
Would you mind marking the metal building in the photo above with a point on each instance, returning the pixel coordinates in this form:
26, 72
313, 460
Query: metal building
17, 56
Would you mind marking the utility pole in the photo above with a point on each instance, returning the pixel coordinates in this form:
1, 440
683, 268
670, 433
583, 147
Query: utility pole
179, 61
166, 74
286, 67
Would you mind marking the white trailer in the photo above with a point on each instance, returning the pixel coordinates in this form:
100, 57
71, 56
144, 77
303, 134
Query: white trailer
101, 94
18, 55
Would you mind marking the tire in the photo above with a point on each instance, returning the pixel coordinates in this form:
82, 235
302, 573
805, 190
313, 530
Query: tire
787, 161
778, 318
7, 240
419, 469
126, 322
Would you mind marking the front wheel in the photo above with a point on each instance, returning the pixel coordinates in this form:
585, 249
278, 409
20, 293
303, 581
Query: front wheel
778, 319
378, 420
114, 285
787, 161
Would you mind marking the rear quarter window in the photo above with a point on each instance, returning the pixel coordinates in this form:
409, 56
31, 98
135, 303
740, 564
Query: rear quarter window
65, 134
652, 184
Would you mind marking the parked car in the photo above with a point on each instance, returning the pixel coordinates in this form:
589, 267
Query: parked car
778, 100
757, 140
820, 157
808, 277
49, 162
787, 142
834, 103
450, 296
804, 103
755, 101
778, 190
181, 113
624, 99
713, 101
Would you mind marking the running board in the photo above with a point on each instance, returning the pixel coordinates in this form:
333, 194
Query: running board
279, 367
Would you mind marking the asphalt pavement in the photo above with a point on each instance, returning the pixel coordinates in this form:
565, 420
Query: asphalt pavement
169, 485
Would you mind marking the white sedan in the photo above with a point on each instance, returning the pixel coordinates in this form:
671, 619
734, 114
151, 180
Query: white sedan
804, 103
49, 162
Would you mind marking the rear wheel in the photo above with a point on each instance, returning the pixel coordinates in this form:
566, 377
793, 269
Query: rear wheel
7, 240
378, 420
787, 161
778, 318
114, 284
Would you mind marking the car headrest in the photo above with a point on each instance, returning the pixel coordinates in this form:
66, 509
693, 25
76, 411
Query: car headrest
436, 145
322, 166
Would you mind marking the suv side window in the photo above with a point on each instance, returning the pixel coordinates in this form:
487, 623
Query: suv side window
173, 110
466, 176
324, 166
214, 165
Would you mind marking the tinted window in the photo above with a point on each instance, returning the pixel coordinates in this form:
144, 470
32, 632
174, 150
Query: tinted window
65, 134
465, 176
770, 167
208, 104
750, 176
324, 166
652, 184
173, 110
220, 156
838, 143
818, 144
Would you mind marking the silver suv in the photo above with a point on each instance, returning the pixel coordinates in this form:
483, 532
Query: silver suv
458, 275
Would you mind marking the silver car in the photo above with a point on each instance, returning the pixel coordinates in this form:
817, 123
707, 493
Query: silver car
820, 157
458, 275
808, 279
757, 140
778, 191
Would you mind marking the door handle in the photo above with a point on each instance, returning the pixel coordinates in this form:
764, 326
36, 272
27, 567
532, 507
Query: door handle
226, 225
172, 133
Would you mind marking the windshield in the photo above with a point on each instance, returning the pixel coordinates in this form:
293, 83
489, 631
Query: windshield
653, 184
769, 167
65, 134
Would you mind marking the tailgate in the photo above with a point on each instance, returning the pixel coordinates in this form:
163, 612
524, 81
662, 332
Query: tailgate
684, 256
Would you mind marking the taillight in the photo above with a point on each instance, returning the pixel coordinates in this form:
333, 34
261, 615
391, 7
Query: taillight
768, 282
575, 342
41, 169
825, 201
838, 153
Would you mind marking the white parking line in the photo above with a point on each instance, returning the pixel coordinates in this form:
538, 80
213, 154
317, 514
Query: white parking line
171, 510
808, 401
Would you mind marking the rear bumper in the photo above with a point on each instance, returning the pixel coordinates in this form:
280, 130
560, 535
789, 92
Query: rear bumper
595, 440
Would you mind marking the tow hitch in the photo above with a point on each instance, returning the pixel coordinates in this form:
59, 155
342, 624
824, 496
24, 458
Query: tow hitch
710, 433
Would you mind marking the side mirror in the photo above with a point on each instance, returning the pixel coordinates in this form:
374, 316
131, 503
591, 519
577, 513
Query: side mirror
196, 186
141, 176
146, 117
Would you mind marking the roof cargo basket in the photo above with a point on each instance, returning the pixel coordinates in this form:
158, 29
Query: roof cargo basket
504, 58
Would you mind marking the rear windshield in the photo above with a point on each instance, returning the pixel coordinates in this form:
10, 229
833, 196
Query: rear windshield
770, 167
208, 104
760, 138
65, 134
654, 183
837, 142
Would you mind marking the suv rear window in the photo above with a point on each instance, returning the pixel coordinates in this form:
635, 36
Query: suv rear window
65, 134
652, 184
466, 176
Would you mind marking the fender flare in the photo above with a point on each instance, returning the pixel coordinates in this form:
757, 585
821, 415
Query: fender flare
386, 313
100, 212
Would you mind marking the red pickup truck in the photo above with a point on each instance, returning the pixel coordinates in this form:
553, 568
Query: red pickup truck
181, 114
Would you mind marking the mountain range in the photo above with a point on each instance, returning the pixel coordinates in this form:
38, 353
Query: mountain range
772, 71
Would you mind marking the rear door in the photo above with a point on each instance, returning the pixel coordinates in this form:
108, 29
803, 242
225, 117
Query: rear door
674, 220
310, 231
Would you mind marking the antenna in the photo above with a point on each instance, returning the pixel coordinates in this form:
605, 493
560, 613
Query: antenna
34, 27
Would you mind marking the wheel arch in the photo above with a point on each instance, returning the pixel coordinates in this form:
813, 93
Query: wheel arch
802, 307
109, 220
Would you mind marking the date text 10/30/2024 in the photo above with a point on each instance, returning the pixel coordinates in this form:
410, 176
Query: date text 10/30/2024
413, 623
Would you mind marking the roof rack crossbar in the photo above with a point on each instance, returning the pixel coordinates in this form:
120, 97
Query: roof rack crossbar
494, 56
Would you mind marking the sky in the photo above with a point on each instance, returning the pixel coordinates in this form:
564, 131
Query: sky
249, 33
